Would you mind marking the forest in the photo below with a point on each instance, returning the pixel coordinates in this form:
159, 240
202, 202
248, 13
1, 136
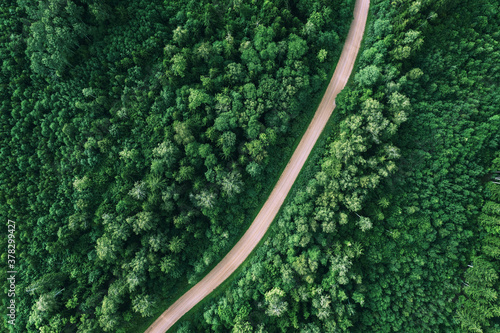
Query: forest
394, 224
137, 136
138, 140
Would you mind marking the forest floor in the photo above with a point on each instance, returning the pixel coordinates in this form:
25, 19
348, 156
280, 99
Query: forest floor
263, 220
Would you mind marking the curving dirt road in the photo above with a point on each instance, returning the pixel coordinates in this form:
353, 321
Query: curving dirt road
259, 226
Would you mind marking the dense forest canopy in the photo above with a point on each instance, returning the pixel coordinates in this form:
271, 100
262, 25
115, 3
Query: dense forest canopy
137, 135
139, 138
394, 225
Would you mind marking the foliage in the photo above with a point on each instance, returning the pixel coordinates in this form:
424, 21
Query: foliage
380, 230
137, 135
479, 309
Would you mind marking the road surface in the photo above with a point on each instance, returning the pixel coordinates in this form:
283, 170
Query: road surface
263, 220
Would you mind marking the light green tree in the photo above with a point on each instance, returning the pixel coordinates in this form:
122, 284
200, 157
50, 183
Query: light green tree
276, 305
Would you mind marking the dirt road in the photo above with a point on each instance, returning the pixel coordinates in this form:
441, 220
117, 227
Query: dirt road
266, 215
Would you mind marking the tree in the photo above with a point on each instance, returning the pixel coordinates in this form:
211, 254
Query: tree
322, 55
81, 184
176, 244
183, 133
197, 98
254, 169
364, 223
231, 183
227, 141
297, 47
46, 302
368, 76
242, 327
179, 65
143, 221
138, 191
106, 249
109, 319
167, 264
276, 306
144, 304
205, 199
179, 35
